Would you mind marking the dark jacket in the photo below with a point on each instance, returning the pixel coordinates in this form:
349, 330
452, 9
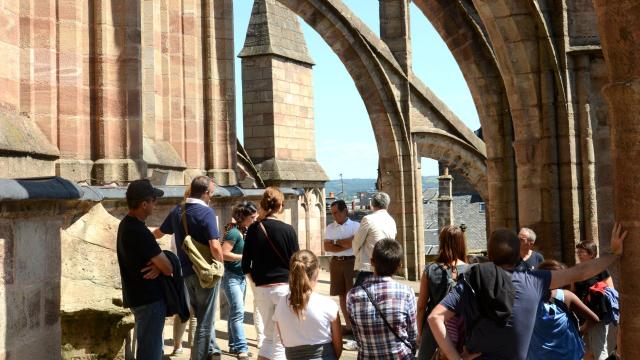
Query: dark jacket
173, 289
493, 290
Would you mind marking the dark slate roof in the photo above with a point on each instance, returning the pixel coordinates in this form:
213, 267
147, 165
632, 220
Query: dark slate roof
465, 211
274, 30
52, 187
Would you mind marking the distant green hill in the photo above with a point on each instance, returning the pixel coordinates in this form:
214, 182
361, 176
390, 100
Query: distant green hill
353, 186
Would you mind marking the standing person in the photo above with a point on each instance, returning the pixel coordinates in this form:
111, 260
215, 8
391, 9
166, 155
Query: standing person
339, 235
373, 228
556, 334
308, 323
596, 335
383, 311
179, 326
141, 261
269, 245
437, 280
529, 257
234, 283
202, 226
501, 304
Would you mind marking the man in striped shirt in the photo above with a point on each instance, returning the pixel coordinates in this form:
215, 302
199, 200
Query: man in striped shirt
383, 311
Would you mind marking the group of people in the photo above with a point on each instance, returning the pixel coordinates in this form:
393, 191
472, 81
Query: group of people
514, 306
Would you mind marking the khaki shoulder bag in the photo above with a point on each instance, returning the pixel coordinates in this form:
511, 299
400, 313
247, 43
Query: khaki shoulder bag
208, 270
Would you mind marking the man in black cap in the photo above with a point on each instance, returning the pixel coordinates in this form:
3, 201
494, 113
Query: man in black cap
141, 261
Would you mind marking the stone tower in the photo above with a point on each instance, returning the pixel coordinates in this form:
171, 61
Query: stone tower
277, 92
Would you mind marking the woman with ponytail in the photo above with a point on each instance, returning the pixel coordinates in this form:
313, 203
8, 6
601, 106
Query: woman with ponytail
269, 245
308, 323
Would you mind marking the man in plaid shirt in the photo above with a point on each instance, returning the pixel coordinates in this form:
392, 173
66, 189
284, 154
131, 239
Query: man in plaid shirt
377, 339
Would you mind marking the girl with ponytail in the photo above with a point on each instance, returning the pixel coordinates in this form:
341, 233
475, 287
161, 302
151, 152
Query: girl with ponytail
308, 323
269, 245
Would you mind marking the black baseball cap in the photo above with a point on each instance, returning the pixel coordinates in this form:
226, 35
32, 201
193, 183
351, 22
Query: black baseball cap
141, 190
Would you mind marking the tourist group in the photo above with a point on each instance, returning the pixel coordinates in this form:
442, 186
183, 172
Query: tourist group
511, 304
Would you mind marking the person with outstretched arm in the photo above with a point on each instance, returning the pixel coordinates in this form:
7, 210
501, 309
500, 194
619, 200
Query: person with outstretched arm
500, 305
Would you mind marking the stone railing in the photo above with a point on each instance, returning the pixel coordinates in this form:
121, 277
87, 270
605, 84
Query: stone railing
60, 289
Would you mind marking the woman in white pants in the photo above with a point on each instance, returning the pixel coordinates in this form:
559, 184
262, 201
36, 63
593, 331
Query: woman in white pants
269, 245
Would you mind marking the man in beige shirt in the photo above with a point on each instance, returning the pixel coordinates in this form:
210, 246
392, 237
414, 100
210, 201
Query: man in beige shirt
374, 227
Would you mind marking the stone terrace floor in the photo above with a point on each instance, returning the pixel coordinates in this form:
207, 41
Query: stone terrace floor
221, 326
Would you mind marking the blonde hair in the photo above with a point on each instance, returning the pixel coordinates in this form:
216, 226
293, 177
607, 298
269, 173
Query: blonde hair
302, 268
272, 201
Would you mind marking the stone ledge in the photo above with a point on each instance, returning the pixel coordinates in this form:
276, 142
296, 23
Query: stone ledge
160, 154
291, 170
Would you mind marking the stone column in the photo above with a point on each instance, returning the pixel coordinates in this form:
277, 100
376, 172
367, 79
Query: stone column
589, 198
619, 25
395, 30
219, 90
74, 122
117, 91
445, 199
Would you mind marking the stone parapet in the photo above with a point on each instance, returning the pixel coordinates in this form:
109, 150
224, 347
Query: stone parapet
32, 212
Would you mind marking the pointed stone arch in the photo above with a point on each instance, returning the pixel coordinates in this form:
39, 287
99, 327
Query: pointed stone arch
385, 87
467, 160
458, 25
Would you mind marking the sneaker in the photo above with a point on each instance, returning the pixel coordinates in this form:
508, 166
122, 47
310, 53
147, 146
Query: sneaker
177, 351
350, 345
244, 356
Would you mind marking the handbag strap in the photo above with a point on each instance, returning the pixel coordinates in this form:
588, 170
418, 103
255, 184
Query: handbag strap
184, 219
379, 312
273, 246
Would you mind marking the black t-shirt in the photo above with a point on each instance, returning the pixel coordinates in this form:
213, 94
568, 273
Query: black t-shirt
582, 287
261, 260
136, 246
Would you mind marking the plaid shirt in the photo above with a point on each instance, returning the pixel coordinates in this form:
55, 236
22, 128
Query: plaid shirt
398, 304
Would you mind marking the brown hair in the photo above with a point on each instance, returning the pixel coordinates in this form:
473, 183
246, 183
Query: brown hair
272, 201
551, 265
504, 247
589, 246
199, 186
242, 210
386, 257
302, 268
453, 245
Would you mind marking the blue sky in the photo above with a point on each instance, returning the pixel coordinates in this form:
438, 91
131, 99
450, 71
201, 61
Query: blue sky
344, 137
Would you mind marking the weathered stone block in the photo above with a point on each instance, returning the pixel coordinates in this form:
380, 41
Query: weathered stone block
30, 251
6, 253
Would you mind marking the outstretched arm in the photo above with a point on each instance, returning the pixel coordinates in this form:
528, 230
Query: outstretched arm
591, 268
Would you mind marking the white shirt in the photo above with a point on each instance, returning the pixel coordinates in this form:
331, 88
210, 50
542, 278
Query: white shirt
314, 325
374, 227
336, 231
195, 201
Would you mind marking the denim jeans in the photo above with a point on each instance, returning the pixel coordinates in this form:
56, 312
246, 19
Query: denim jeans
203, 302
149, 320
234, 287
